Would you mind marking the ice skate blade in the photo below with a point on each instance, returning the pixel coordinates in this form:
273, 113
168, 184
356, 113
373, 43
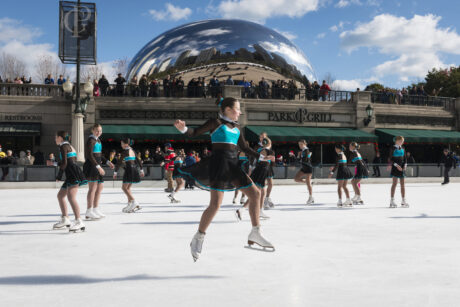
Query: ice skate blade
77, 230
404, 206
91, 219
60, 228
260, 248
238, 215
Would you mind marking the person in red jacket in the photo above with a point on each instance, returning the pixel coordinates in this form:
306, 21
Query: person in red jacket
324, 91
169, 166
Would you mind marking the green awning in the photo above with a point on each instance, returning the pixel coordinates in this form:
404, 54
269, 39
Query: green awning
418, 136
20, 128
311, 134
146, 132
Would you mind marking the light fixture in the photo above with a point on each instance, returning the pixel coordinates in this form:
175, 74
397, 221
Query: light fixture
370, 112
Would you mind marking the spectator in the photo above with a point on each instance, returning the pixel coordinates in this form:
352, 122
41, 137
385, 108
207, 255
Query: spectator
188, 161
246, 85
49, 80
316, 89
206, 153
61, 80
51, 161
324, 91
29, 157
154, 90
7, 160
291, 160
377, 160
134, 89
39, 158
410, 158
214, 84
263, 88
147, 158
158, 156
180, 87
120, 82
96, 89
103, 85
279, 160
113, 157
118, 157
143, 85
17, 81
229, 81
201, 88
167, 86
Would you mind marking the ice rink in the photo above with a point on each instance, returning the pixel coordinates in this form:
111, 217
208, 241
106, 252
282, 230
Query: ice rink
325, 256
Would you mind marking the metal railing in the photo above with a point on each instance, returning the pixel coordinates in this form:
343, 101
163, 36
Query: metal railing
447, 103
18, 173
12, 89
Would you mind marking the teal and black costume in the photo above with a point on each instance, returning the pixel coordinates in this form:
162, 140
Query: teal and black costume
343, 172
243, 162
305, 159
398, 156
220, 171
361, 168
73, 174
93, 158
132, 166
177, 164
263, 169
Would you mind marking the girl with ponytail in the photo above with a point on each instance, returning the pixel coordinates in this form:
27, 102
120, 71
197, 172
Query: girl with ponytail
133, 173
343, 175
361, 172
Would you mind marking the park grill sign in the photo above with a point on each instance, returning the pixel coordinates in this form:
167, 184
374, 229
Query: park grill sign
300, 116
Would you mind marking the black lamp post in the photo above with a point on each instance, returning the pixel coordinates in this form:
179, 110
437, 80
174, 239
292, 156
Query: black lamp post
370, 112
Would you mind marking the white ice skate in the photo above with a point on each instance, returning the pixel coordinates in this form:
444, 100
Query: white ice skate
339, 203
133, 207
173, 199
357, 200
347, 203
127, 206
91, 215
64, 222
404, 203
266, 205
242, 199
263, 216
77, 226
98, 212
255, 237
310, 201
270, 203
196, 245
393, 204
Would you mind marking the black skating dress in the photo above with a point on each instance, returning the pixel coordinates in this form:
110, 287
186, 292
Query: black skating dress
93, 159
243, 162
221, 170
361, 170
73, 174
305, 159
263, 169
343, 172
132, 166
398, 157
177, 164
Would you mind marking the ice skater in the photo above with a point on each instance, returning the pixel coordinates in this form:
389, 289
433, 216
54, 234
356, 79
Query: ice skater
133, 173
243, 163
343, 175
92, 168
361, 172
305, 173
220, 172
259, 176
178, 178
398, 160
268, 203
74, 178
449, 161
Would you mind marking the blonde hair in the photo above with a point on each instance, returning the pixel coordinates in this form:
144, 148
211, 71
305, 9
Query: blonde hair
399, 138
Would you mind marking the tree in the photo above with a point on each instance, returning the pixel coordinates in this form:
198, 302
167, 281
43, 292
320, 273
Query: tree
11, 67
329, 78
48, 65
92, 72
121, 66
374, 87
443, 82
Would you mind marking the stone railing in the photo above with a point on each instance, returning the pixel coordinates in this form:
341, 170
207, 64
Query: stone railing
12, 89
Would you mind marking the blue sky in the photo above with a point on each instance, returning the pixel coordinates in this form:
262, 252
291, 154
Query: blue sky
357, 41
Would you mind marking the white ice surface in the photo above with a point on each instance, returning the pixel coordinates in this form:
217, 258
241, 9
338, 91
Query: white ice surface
325, 256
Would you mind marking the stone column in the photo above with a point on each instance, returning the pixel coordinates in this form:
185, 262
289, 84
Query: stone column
78, 136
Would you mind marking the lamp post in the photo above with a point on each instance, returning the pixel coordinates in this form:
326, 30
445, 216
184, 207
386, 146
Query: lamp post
370, 112
78, 136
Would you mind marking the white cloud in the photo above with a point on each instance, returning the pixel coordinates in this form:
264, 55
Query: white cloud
171, 13
11, 29
415, 44
287, 34
347, 85
211, 32
258, 11
321, 35
338, 27
345, 3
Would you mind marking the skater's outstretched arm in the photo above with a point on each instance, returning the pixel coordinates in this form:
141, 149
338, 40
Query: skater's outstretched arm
210, 125
243, 145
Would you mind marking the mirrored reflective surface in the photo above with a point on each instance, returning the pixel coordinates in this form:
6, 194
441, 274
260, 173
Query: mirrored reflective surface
220, 41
